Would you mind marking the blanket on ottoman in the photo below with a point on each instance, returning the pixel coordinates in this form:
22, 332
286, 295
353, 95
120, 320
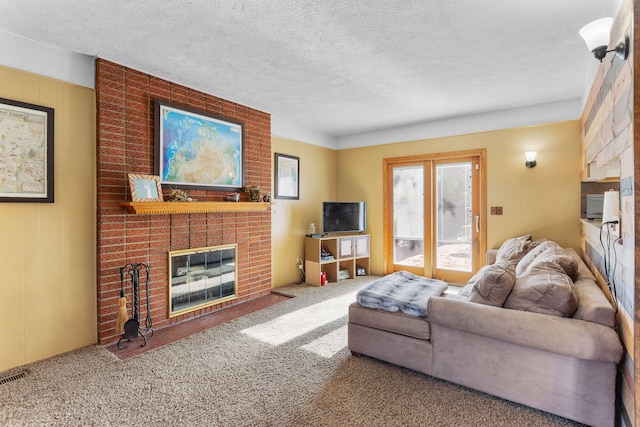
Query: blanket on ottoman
402, 291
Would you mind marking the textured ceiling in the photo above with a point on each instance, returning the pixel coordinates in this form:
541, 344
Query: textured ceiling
336, 66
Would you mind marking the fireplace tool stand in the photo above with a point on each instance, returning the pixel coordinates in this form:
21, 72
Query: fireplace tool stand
132, 328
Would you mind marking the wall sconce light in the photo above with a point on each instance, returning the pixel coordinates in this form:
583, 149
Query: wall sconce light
596, 34
531, 158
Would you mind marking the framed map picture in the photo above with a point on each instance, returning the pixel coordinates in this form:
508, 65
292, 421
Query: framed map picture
26, 144
197, 150
287, 182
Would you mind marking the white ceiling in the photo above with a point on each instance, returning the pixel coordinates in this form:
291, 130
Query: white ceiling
339, 67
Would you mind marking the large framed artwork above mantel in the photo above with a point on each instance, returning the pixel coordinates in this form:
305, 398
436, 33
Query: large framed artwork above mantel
198, 150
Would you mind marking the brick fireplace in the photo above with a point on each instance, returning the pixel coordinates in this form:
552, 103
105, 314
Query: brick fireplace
124, 129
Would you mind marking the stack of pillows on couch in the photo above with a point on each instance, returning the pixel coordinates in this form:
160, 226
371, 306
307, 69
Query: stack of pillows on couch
527, 275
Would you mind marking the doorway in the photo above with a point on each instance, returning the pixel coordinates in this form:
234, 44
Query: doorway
432, 221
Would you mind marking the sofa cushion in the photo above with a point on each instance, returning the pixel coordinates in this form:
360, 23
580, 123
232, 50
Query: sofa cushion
512, 250
396, 322
559, 256
491, 285
594, 305
544, 288
526, 260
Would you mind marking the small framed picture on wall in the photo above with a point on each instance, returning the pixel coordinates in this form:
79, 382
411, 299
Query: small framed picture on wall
287, 177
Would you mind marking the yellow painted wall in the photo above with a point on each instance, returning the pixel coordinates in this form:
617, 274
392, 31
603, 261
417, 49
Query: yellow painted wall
47, 251
292, 217
543, 201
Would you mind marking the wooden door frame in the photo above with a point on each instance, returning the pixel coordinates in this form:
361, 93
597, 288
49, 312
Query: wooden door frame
387, 201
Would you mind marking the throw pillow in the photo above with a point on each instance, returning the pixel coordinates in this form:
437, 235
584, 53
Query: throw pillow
490, 285
526, 260
559, 256
512, 250
544, 288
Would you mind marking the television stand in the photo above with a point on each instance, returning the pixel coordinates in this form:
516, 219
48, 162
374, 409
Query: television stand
348, 255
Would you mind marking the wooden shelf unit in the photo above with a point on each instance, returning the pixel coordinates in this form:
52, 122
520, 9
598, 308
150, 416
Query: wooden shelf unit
349, 253
162, 208
595, 187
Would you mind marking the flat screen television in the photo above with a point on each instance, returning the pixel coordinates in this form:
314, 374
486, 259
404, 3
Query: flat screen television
341, 217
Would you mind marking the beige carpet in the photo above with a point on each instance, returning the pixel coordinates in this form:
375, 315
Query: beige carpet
286, 365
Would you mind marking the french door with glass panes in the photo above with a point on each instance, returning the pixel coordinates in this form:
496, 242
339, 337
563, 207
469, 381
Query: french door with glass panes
433, 222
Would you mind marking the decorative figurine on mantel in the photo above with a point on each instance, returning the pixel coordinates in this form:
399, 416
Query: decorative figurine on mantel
254, 194
233, 197
177, 195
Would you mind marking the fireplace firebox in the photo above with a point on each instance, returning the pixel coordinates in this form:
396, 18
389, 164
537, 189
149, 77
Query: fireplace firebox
201, 277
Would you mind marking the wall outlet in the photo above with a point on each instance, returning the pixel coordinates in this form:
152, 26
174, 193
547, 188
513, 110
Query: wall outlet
614, 229
496, 210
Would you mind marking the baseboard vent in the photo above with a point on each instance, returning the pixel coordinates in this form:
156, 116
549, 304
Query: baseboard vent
13, 377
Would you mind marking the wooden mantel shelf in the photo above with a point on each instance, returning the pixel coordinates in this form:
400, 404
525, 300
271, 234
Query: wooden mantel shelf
162, 208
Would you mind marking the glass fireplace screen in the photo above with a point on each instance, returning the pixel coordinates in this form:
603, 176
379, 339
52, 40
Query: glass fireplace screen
201, 277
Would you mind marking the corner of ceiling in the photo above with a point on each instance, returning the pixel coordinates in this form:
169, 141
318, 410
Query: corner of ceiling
35, 57
285, 129
568, 109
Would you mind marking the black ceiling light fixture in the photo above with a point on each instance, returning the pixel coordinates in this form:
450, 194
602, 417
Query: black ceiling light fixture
597, 33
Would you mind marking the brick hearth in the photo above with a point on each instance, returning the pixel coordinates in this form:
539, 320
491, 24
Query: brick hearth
124, 125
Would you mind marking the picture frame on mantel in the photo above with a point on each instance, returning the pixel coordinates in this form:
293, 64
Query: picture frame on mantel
287, 177
197, 150
145, 188
27, 160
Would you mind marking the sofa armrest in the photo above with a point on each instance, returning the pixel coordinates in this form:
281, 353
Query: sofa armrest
571, 337
491, 256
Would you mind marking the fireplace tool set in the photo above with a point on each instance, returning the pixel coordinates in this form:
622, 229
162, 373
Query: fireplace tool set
132, 328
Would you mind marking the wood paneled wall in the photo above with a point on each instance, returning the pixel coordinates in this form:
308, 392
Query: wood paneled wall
47, 250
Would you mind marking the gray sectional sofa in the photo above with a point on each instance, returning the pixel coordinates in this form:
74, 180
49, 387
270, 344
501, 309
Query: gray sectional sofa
555, 349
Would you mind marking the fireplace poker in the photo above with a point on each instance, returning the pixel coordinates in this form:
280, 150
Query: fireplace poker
132, 325
148, 323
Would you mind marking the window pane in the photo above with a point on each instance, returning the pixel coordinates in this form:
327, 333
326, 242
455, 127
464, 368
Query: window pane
408, 215
453, 216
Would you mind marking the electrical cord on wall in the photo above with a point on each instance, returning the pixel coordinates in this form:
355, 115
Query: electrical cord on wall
610, 264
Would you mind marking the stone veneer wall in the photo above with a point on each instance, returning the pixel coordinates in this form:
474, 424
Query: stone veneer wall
608, 144
125, 144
